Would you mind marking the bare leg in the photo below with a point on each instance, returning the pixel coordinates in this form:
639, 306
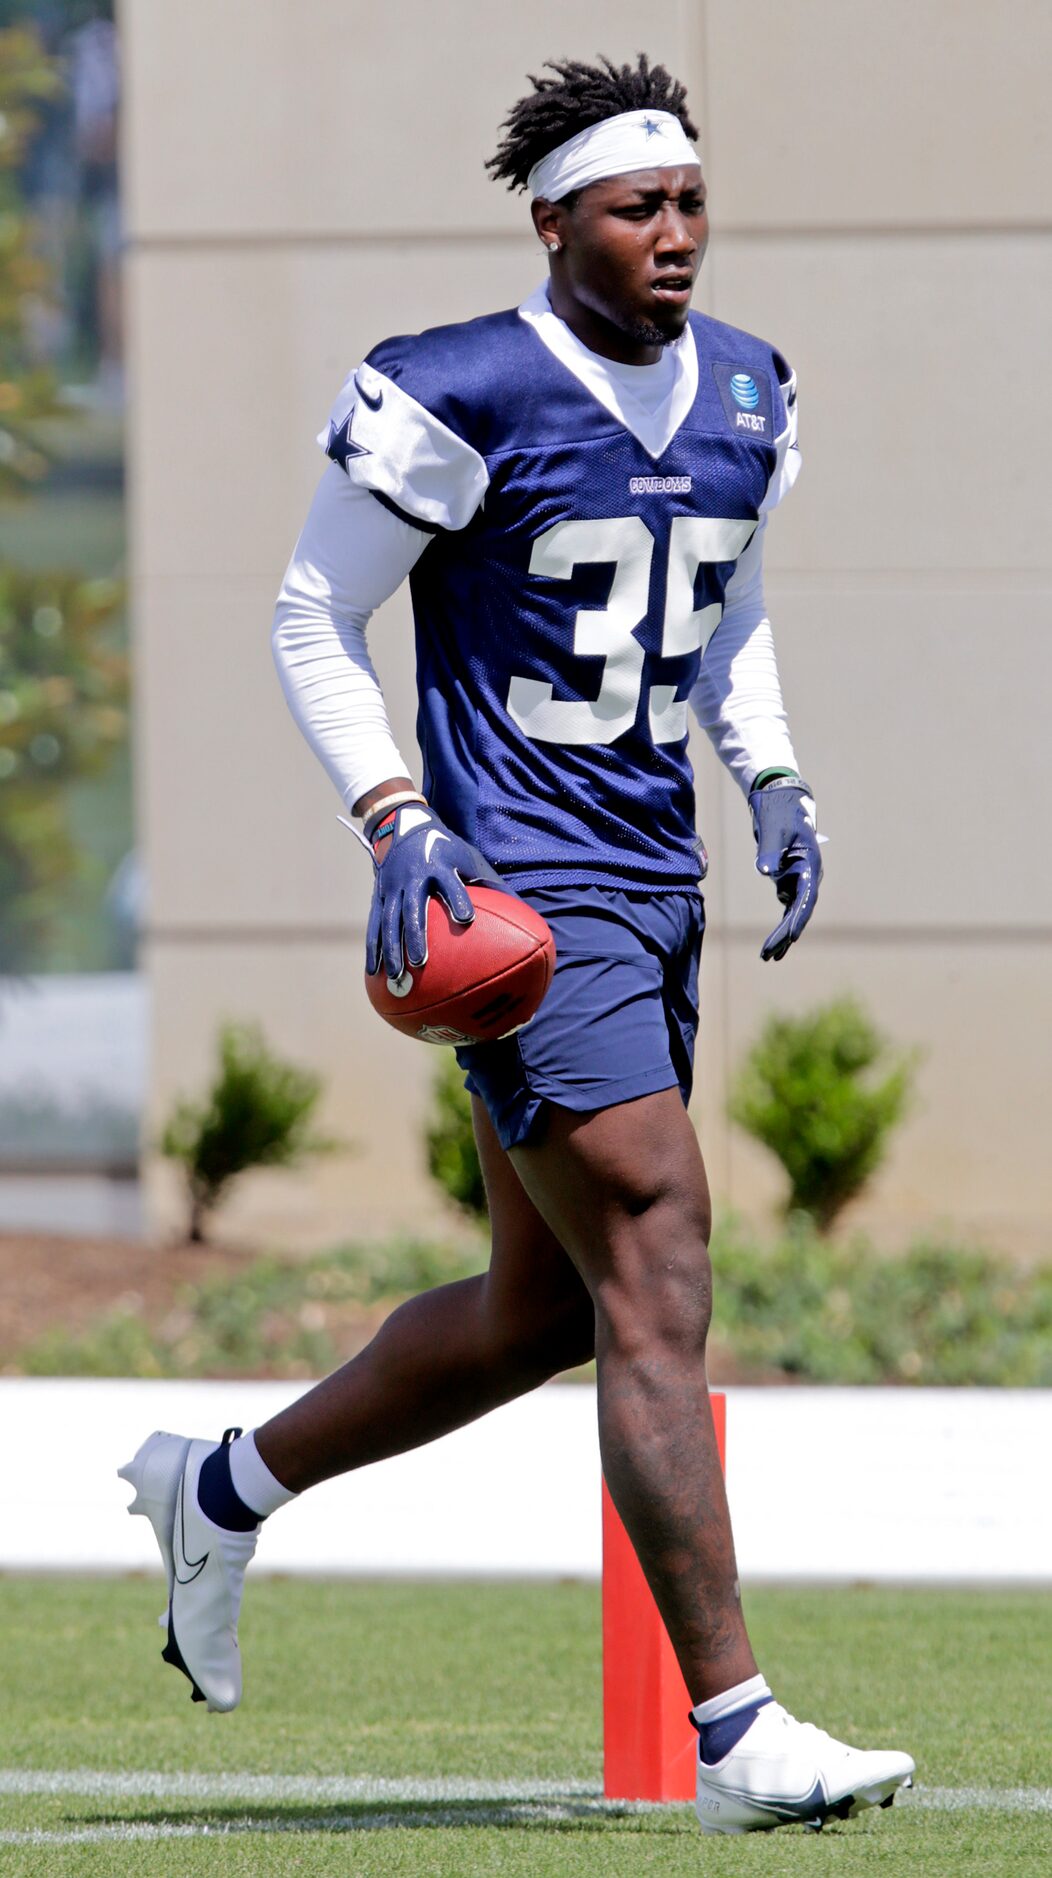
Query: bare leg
450, 1355
624, 1189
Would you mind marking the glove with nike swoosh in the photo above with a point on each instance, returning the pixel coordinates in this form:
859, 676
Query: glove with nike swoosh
423, 858
787, 842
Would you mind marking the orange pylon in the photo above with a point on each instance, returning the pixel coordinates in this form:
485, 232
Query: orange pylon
649, 1746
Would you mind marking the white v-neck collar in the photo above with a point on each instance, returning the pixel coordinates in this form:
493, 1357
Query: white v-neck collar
654, 430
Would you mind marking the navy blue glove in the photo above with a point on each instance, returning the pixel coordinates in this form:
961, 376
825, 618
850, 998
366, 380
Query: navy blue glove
424, 858
787, 849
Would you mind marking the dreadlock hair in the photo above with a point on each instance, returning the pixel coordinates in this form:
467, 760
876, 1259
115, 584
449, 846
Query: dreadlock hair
578, 96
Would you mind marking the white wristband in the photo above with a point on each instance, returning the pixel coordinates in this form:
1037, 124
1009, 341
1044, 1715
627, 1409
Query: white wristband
394, 801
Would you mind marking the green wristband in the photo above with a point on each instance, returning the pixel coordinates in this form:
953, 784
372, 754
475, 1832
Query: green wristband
773, 775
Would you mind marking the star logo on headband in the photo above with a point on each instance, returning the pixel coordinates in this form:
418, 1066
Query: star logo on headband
341, 445
652, 129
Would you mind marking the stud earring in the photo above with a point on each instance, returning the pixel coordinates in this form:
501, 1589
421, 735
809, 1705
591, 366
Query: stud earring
553, 247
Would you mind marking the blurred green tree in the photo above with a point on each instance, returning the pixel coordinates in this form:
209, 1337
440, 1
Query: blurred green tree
28, 392
63, 712
63, 680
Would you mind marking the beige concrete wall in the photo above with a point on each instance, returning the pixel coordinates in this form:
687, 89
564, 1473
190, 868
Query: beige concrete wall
303, 179
891, 221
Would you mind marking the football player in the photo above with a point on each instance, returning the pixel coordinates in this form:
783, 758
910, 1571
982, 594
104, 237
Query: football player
577, 490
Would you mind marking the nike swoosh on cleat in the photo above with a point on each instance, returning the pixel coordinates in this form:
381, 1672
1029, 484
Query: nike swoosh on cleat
193, 1566
812, 1806
373, 403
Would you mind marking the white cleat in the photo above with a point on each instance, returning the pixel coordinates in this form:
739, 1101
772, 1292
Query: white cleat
783, 1772
204, 1564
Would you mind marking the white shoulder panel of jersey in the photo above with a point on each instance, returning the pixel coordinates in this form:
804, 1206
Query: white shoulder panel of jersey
387, 442
788, 459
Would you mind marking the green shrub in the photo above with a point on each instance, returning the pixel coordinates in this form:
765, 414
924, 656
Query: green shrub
281, 1316
257, 1114
452, 1156
806, 1308
824, 1312
808, 1092
120, 1344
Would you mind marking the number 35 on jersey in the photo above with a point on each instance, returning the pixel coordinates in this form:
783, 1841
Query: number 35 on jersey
609, 632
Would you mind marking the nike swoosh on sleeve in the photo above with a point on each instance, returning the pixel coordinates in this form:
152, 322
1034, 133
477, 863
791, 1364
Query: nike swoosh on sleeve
373, 403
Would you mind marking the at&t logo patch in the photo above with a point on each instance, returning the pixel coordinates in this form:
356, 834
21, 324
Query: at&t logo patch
744, 391
746, 401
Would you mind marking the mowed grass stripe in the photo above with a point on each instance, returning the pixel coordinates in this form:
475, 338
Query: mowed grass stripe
482, 1705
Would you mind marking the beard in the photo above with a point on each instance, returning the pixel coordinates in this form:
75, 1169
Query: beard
645, 333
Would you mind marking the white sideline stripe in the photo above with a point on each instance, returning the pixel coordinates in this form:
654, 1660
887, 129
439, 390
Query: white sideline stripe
982, 1799
497, 1804
521, 1813
97, 1784
374, 1822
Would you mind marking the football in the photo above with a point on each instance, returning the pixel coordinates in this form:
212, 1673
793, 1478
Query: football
479, 982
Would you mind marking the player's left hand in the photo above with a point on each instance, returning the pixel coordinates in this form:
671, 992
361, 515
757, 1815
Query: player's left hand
783, 820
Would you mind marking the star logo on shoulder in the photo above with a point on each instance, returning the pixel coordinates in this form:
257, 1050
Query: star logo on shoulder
341, 445
652, 129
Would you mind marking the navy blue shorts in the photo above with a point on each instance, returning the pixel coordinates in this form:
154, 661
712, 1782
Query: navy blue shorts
620, 1016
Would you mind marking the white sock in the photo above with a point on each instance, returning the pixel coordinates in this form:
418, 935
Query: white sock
253, 1481
718, 1706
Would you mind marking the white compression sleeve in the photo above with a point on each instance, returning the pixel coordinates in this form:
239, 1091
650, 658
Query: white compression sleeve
738, 695
352, 555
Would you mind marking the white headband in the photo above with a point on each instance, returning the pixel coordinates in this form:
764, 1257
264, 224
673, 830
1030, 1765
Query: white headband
636, 140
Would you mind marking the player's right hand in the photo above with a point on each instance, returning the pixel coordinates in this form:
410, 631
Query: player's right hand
421, 857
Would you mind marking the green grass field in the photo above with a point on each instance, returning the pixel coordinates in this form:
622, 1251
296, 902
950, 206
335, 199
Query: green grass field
434, 1729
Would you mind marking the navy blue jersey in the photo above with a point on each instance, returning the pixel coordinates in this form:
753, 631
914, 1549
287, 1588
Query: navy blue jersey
572, 582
